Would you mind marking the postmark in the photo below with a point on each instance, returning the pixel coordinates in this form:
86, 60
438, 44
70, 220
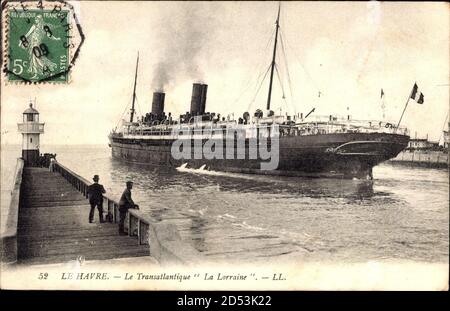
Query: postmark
42, 40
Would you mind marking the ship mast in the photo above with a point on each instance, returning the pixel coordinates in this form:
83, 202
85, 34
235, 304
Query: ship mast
134, 91
273, 58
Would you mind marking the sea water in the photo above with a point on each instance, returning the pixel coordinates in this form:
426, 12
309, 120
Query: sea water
403, 214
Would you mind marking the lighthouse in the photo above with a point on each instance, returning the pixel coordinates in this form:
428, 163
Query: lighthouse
31, 129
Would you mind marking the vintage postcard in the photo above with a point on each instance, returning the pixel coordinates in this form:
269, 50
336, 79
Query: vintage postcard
224, 146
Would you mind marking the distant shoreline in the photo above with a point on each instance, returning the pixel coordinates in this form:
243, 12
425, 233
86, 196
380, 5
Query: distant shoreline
57, 145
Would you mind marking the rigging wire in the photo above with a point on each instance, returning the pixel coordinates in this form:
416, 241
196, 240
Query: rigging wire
249, 84
367, 59
258, 68
123, 113
270, 38
256, 89
287, 72
281, 84
139, 108
304, 69
259, 88
280, 80
121, 117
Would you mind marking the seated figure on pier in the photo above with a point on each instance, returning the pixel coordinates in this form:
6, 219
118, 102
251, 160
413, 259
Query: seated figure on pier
95, 192
125, 203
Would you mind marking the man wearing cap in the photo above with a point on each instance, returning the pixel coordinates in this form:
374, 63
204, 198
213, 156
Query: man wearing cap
95, 192
125, 203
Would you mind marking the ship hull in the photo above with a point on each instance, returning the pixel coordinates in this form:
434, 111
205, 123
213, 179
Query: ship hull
342, 155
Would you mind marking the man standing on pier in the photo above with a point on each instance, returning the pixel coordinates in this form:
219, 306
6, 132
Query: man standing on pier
125, 203
96, 199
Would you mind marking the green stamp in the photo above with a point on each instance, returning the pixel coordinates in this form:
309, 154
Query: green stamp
38, 46
43, 40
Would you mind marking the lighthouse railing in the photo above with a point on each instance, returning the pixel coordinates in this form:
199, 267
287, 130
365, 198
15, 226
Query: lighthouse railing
31, 127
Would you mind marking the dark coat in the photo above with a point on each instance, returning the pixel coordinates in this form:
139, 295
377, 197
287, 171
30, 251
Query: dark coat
95, 192
126, 201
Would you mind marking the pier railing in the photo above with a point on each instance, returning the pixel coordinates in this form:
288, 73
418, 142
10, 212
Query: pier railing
164, 241
136, 222
9, 234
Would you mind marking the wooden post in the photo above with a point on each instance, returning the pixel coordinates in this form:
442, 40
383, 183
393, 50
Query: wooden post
129, 223
139, 231
114, 213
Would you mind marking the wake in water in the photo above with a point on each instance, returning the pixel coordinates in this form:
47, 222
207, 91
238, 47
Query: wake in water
204, 170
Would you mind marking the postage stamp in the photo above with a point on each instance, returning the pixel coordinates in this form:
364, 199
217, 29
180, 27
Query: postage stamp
42, 41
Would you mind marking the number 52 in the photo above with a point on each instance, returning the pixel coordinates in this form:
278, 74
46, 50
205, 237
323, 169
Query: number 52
18, 65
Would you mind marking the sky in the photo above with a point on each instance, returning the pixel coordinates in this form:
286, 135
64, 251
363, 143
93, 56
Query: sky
347, 51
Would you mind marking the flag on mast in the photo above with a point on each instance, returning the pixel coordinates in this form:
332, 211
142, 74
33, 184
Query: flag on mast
417, 95
383, 104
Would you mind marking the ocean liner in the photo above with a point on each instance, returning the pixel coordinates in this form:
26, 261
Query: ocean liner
312, 146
